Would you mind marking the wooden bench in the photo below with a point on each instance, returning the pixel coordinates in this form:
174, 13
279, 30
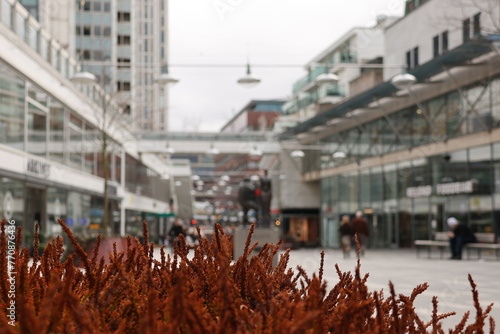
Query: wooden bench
441, 241
485, 241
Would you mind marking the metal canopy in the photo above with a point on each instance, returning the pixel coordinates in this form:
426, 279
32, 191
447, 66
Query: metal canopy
460, 55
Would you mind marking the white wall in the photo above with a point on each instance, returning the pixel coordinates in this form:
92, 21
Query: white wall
293, 192
434, 17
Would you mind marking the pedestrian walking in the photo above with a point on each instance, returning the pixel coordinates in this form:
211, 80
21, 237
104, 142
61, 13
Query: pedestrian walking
345, 233
359, 227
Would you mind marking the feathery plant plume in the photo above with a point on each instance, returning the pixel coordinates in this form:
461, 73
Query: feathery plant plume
203, 290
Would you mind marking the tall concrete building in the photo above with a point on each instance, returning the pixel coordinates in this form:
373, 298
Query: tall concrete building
123, 42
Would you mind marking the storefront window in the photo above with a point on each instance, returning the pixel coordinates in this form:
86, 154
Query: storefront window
92, 149
329, 218
37, 132
75, 144
388, 233
421, 219
421, 125
57, 146
137, 180
377, 185
390, 182
495, 102
79, 212
477, 102
56, 209
352, 191
11, 110
496, 182
404, 175
480, 203
403, 119
133, 226
456, 125
343, 190
364, 188
437, 116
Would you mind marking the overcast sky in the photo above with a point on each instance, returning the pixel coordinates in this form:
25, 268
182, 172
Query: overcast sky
265, 32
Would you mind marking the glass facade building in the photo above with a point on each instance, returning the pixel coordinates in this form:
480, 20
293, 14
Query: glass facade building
410, 198
51, 143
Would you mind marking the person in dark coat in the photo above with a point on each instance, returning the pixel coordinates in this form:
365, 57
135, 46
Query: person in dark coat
175, 231
345, 233
359, 227
459, 236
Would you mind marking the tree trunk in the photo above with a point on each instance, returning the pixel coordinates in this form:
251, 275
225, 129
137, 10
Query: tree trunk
105, 218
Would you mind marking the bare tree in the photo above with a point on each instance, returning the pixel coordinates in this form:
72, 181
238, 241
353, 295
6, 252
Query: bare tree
110, 122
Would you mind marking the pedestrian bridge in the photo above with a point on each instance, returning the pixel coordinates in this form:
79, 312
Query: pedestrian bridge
257, 143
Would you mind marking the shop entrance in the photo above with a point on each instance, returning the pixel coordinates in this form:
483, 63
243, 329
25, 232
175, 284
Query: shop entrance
438, 219
35, 211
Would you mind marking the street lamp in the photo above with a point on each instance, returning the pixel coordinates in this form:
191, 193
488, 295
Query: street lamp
165, 78
248, 81
297, 154
339, 155
403, 81
255, 152
84, 78
326, 78
213, 150
169, 149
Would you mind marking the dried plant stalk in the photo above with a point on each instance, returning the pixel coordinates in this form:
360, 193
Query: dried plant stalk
203, 292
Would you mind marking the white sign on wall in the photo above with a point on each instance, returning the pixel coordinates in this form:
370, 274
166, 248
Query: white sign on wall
421, 191
453, 188
8, 205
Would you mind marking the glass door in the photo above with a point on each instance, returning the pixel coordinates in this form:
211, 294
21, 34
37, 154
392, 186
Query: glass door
35, 212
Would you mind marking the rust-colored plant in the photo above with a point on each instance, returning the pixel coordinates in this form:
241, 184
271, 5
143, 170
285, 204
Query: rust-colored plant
203, 292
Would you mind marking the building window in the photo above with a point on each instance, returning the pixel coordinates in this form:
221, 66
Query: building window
85, 5
97, 6
97, 30
106, 31
415, 57
86, 30
97, 54
123, 62
123, 17
408, 60
123, 40
477, 24
435, 46
123, 86
86, 54
466, 30
107, 6
444, 41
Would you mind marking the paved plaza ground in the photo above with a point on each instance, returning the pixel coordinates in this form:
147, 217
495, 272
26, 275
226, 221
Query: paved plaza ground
447, 279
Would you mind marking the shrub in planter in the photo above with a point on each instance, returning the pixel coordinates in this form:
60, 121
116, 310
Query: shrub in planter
205, 292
